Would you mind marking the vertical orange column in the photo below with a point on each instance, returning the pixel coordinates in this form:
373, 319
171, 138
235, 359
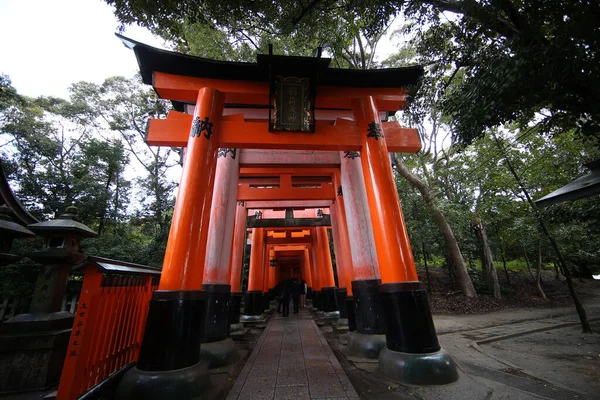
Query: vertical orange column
222, 219
396, 263
237, 248
340, 218
271, 270
183, 266
314, 262
342, 265
326, 276
255, 275
358, 220
306, 267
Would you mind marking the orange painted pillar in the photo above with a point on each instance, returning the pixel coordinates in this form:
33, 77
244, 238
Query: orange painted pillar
326, 268
222, 219
270, 275
340, 262
183, 266
327, 296
358, 220
340, 222
254, 296
306, 267
237, 248
255, 274
394, 254
314, 262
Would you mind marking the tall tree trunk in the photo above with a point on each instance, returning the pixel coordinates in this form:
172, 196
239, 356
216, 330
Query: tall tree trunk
538, 284
487, 261
585, 324
425, 261
503, 253
451, 243
527, 261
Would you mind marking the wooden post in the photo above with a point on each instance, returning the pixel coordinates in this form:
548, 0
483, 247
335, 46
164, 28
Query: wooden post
237, 248
394, 254
183, 267
222, 219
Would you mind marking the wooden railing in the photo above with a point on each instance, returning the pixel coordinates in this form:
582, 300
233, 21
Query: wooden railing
109, 323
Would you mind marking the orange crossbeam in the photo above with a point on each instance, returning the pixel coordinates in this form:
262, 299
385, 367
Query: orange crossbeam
283, 170
247, 193
236, 133
185, 88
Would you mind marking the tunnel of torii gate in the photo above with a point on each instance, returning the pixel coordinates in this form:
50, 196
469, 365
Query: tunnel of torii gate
277, 154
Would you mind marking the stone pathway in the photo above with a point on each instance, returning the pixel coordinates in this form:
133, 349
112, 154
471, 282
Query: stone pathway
292, 360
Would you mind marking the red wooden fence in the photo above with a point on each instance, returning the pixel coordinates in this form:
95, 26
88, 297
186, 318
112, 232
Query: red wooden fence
109, 323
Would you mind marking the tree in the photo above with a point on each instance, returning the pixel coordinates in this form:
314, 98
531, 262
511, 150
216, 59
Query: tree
521, 60
121, 107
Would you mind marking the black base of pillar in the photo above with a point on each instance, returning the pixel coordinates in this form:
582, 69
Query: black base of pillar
216, 317
340, 294
253, 302
173, 331
408, 324
317, 300
367, 308
351, 313
220, 353
192, 382
435, 368
329, 299
365, 346
235, 308
266, 301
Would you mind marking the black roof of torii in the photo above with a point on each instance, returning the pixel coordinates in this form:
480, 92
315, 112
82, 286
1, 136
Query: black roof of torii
151, 59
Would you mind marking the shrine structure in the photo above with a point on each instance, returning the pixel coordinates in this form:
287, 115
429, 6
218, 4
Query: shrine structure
278, 153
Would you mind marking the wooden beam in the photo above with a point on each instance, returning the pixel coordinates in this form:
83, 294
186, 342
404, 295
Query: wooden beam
302, 170
255, 157
276, 241
185, 88
234, 132
283, 204
253, 222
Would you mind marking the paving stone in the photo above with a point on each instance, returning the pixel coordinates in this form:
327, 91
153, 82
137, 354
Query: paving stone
292, 393
291, 376
325, 385
292, 360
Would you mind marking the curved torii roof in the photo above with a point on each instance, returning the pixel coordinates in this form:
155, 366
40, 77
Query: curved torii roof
151, 59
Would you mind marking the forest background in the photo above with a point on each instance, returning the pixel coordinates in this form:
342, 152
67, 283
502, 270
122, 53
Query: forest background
507, 109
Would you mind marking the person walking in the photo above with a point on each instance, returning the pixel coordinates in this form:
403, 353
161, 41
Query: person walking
303, 294
296, 290
286, 291
277, 290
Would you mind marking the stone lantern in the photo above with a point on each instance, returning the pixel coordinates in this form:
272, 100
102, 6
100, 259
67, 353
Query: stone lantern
62, 238
33, 346
10, 230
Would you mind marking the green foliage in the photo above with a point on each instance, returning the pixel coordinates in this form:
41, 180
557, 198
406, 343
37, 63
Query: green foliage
519, 61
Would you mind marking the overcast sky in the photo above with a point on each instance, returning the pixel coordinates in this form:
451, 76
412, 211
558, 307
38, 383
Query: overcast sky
46, 45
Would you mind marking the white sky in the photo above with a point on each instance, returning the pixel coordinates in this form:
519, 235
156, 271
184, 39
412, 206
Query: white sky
46, 45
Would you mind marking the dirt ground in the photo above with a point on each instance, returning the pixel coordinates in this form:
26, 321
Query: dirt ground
445, 296
519, 347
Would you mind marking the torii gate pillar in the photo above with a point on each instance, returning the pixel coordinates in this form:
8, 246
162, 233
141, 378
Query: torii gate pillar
172, 349
253, 309
412, 353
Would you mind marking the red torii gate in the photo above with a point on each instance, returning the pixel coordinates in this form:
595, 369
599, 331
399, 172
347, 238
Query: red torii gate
238, 107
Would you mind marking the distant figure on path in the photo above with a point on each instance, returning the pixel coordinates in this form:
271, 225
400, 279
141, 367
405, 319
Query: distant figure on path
286, 291
303, 302
296, 291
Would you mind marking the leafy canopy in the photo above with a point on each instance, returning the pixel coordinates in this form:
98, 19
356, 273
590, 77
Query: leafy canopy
521, 61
